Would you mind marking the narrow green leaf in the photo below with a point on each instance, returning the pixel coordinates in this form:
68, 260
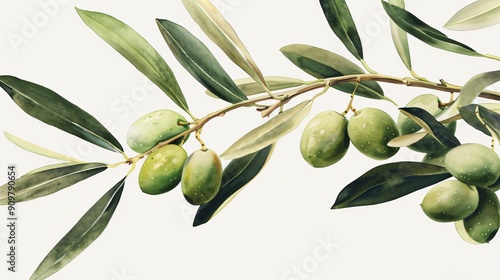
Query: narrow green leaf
422, 31
137, 51
30, 147
250, 87
237, 174
341, 22
82, 234
468, 113
476, 15
388, 182
51, 166
222, 33
197, 59
491, 118
269, 132
37, 184
476, 85
400, 38
431, 125
322, 64
51, 108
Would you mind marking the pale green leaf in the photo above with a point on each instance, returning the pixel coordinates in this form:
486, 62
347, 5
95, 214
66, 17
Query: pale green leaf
476, 15
222, 33
30, 147
250, 87
406, 139
400, 38
269, 132
475, 86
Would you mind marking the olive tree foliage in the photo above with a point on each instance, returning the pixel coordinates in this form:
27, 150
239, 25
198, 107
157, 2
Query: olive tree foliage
426, 125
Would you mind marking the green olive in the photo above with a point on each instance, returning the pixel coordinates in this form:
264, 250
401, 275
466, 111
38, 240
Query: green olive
450, 201
154, 128
370, 130
473, 164
482, 225
162, 169
324, 140
431, 104
201, 176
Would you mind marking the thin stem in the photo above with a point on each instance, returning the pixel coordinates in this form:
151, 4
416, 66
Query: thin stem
366, 67
491, 56
288, 95
414, 74
493, 135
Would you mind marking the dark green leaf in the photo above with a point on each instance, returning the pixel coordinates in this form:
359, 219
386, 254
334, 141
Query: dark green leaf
476, 85
340, 20
51, 108
269, 132
427, 34
137, 51
42, 183
432, 126
199, 61
468, 113
388, 182
237, 174
84, 232
322, 64
491, 118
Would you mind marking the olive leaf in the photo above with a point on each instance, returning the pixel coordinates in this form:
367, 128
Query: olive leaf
222, 33
422, 31
250, 87
388, 182
468, 113
406, 139
491, 118
137, 51
51, 108
322, 64
197, 59
236, 175
43, 182
30, 147
341, 22
432, 126
400, 38
476, 15
269, 132
51, 166
475, 86
82, 234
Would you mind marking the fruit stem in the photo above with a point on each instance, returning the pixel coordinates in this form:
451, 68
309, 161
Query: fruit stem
493, 135
198, 137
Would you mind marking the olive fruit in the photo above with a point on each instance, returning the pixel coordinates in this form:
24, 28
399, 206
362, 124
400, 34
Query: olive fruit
473, 164
450, 201
162, 169
324, 140
431, 104
436, 158
201, 176
482, 225
370, 130
155, 127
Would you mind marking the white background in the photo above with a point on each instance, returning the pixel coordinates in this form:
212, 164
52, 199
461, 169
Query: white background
279, 224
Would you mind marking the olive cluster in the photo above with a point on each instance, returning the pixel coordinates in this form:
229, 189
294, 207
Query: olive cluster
327, 136
200, 174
